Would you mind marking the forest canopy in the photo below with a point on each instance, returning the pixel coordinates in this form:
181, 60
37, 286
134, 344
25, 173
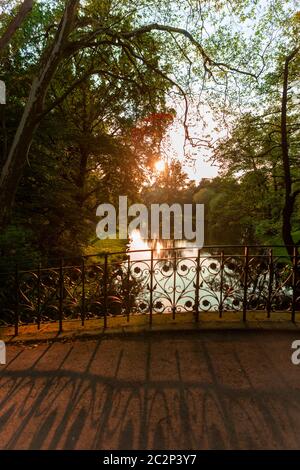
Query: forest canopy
93, 88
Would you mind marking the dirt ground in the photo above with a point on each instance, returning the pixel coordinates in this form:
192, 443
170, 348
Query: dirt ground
179, 390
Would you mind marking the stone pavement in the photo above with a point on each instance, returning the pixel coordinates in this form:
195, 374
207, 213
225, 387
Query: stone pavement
221, 389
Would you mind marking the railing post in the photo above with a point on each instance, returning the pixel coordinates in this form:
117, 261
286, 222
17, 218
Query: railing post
151, 289
270, 285
246, 272
128, 289
197, 303
39, 298
61, 295
295, 280
82, 291
174, 286
17, 306
105, 280
221, 284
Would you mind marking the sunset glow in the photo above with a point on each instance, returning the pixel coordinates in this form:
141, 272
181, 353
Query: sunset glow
159, 166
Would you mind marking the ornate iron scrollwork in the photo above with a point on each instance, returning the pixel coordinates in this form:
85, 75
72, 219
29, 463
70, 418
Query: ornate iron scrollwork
172, 282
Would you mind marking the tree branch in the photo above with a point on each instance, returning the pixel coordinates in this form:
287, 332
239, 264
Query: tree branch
75, 84
15, 23
171, 29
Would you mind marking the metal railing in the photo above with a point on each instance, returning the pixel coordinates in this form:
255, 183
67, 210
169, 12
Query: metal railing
152, 282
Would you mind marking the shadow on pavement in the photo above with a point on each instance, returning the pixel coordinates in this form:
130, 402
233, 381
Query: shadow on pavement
218, 390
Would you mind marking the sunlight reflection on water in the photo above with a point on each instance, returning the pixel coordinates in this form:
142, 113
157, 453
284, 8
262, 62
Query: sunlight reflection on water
173, 286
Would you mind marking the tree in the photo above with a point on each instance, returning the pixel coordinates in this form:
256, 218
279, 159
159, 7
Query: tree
82, 155
80, 29
264, 139
290, 192
12, 169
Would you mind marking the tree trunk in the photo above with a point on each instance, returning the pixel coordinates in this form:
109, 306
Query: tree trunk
13, 167
15, 23
84, 156
289, 200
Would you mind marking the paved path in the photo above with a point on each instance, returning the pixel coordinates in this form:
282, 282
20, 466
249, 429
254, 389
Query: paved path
208, 390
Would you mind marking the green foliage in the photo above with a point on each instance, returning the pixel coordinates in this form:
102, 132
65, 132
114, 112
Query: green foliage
16, 246
101, 137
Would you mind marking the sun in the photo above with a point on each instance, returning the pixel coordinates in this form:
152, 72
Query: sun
159, 166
